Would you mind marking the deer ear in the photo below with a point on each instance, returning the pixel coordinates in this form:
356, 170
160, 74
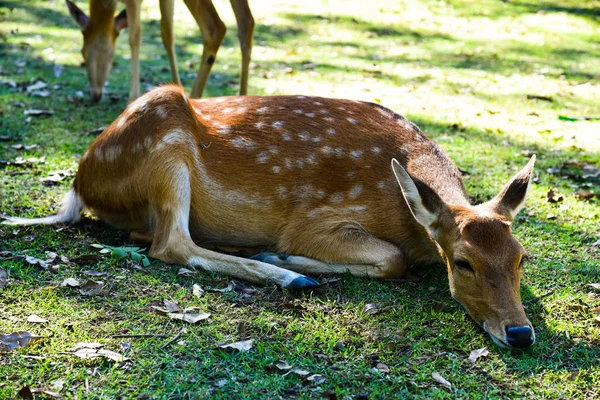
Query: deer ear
424, 204
78, 15
121, 21
512, 197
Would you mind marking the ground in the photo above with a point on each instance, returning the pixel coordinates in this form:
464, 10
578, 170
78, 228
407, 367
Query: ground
490, 81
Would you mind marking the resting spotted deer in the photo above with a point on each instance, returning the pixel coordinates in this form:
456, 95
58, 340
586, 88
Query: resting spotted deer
330, 186
101, 29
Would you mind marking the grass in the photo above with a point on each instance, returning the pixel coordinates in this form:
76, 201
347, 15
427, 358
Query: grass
487, 80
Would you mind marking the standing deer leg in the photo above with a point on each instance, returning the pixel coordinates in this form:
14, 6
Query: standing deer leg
344, 247
133, 21
167, 8
245, 23
213, 31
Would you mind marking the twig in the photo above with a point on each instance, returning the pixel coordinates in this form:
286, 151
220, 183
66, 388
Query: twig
167, 344
137, 335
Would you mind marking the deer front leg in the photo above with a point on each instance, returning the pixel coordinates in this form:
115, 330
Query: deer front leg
345, 248
167, 8
133, 21
213, 31
245, 23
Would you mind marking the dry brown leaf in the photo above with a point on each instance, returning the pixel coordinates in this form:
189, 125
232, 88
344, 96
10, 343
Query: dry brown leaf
47, 392
171, 306
283, 366
371, 308
86, 259
185, 272
36, 320
551, 197
70, 282
25, 393
584, 194
596, 310
197, 290
597, 321
299, 372
475, 354
15, 340
229, 288
440, 379
87, 351
91, 288
595, 286
316, 378
90, 272
381, 367
36, 261
243, 345
191, 318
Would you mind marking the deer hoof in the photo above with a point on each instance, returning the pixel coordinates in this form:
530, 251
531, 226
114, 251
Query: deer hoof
270, 258
302, 283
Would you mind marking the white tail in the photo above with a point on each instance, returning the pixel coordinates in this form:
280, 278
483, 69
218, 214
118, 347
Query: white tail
309, 179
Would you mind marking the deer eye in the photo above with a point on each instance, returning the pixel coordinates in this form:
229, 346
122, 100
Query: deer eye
464, 265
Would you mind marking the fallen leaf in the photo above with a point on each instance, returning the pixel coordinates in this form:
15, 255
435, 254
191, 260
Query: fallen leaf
41, 93
440, 379
371, 308
552, 198
316, 378
70, 282
91, 288
47, 392
475, 354
160, 310
191, 318
596, 310
595, 286
171, 306
299, 372
35, 112
283, 365
584, 194
596, 243
597, 321
86, 352
90, 272
185, 272
86, 259
15, 340
381, 367
57, 70
3, 278
35, 319
36, 86
197, 290
25, 393
243, 345
229, 288
36, 261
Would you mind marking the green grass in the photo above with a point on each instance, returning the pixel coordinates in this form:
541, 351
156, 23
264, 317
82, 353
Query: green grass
464, 71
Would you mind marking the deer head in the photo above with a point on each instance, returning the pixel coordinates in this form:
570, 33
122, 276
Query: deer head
483, 259
100, 31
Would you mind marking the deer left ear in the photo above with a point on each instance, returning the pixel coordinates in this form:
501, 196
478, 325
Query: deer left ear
512, 197
121, 21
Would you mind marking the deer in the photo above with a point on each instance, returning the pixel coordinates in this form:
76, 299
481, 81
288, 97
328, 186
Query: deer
324, 186
101, 28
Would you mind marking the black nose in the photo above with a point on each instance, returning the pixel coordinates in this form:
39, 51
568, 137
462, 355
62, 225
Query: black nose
520, 337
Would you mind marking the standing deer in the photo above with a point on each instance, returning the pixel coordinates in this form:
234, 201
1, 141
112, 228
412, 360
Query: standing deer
101, 29
310, 179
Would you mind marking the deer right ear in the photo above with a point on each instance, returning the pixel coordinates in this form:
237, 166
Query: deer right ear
425, 215
78, 15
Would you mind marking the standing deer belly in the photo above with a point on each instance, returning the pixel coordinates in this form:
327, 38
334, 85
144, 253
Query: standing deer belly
335, 185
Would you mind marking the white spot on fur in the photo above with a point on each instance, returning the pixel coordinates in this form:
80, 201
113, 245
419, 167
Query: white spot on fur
98, 154
303, 191
339, 152
241, 110
310, 115
259, 125
262, 157
324, 111
341, 108
351, 174
242, 143
262, 110
224, 129
355, 209
326, 150
329, 119
239, 100
283, 192
300, 97
320, 194
316, 139
112, 153
161, 112
300, 163
273, 150
382, 185
336, 198
121, 122
355, 191
278, 124
227, 110
286, 136
276, 169
304, 136
331, 131
356, 154
288, 163
176, 136
219, 99
148, 142
352, 121
376, 150
298, 111
138, 148
311, 159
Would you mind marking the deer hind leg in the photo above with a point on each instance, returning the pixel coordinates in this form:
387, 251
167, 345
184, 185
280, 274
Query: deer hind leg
133, 22
172, 242
213, 31
245, 23
337, 248
167, 8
